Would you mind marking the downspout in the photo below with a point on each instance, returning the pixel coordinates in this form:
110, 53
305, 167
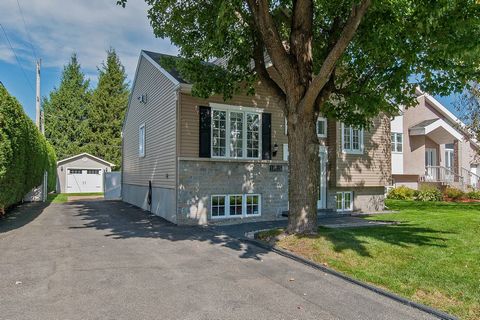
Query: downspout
177, 146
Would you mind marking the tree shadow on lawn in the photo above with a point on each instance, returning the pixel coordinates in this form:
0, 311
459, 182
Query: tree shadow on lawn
123, 221
402, 235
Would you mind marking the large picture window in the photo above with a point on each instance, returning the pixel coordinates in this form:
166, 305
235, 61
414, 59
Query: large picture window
352, 139
397, 142
236, 134
219, 129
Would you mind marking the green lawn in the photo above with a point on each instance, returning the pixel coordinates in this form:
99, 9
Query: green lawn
432, 256
63, 197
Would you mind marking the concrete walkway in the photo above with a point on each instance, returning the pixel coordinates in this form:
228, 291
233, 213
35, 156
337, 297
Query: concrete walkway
109, 260
241, 230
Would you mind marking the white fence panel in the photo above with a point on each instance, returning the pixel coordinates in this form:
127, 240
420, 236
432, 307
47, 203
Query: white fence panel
112, 185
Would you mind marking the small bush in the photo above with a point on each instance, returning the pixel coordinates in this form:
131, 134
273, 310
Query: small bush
401, 193
474, 195
454, 193
428, 193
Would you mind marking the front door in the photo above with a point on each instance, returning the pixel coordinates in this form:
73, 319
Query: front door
449, 164
322, 193
431, 163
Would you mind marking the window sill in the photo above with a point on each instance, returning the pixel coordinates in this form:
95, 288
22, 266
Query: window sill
233, 160
235, 217
360, 152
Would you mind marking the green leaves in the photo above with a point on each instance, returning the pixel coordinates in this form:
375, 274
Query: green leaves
25, 154
66, 110
399, 45
106, 111
78, 119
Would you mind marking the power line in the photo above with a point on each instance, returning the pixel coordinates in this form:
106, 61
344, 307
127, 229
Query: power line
16, 57
30, 42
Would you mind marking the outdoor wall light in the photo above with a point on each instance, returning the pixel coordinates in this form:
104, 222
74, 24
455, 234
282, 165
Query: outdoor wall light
275, 150
142, 98
61, 168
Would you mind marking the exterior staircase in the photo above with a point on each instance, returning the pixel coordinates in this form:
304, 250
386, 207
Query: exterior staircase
443, 176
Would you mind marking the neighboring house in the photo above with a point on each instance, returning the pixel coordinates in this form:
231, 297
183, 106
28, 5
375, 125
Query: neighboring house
429, 145
81, 174
196, 161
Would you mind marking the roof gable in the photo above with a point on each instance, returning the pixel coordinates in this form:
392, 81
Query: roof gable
85, 155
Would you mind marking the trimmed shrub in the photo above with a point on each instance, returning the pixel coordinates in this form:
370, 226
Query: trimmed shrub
428, 193
454, 193
474, 195
401, 193
25, 154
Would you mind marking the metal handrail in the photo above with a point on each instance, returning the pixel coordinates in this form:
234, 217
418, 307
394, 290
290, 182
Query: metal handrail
473, 179
442, 174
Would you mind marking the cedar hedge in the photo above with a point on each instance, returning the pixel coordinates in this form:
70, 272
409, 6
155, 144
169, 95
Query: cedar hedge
25, 154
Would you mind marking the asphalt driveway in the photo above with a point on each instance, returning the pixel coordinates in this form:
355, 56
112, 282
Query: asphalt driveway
109, 260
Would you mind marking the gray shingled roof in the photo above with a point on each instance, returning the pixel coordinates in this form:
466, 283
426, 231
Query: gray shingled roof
423, 124
158, 56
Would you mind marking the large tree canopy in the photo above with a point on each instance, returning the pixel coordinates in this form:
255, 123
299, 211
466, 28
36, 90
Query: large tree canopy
106, 110
348, 59
66, 111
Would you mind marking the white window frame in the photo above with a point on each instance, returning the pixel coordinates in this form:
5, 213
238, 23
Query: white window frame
344, 208
259, 204
324, 120
141, 140
244, 206
351, 150
237, 109
224, 196
395, 143
320, 118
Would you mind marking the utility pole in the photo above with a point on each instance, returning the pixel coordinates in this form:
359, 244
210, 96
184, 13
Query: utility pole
37, 102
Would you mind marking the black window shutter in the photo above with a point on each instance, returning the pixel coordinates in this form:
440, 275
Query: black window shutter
266, 136
205, 132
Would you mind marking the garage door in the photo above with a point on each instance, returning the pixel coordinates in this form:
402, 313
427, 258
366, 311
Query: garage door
84, 180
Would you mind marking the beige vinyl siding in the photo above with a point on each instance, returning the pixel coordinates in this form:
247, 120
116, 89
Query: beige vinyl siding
373, 167
159, 117
189, 118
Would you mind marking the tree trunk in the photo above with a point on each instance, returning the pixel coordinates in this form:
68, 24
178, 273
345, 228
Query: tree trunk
304, 174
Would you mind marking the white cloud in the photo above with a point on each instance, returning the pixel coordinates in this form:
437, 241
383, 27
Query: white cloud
59, 28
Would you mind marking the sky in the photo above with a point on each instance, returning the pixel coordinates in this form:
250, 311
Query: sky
55, 29
59, 28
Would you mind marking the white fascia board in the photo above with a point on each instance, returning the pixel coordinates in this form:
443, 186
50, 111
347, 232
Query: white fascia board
85, 154
441, 123
222, 106
131, 92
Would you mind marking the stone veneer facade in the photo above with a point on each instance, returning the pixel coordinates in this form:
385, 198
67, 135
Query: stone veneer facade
199, 179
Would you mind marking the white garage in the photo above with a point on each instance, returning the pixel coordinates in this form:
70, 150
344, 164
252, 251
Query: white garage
83, 173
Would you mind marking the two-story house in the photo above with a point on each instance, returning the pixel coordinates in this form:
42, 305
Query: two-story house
197, 161
429, 145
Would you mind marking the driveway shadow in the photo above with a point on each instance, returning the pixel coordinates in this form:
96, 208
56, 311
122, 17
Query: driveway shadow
123, 221
21, 215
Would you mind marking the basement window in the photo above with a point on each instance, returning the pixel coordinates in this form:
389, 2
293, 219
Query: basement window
235, 206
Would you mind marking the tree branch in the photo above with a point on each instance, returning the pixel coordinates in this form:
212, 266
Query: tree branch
262, 73
301, 37
346, 36
271, 38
